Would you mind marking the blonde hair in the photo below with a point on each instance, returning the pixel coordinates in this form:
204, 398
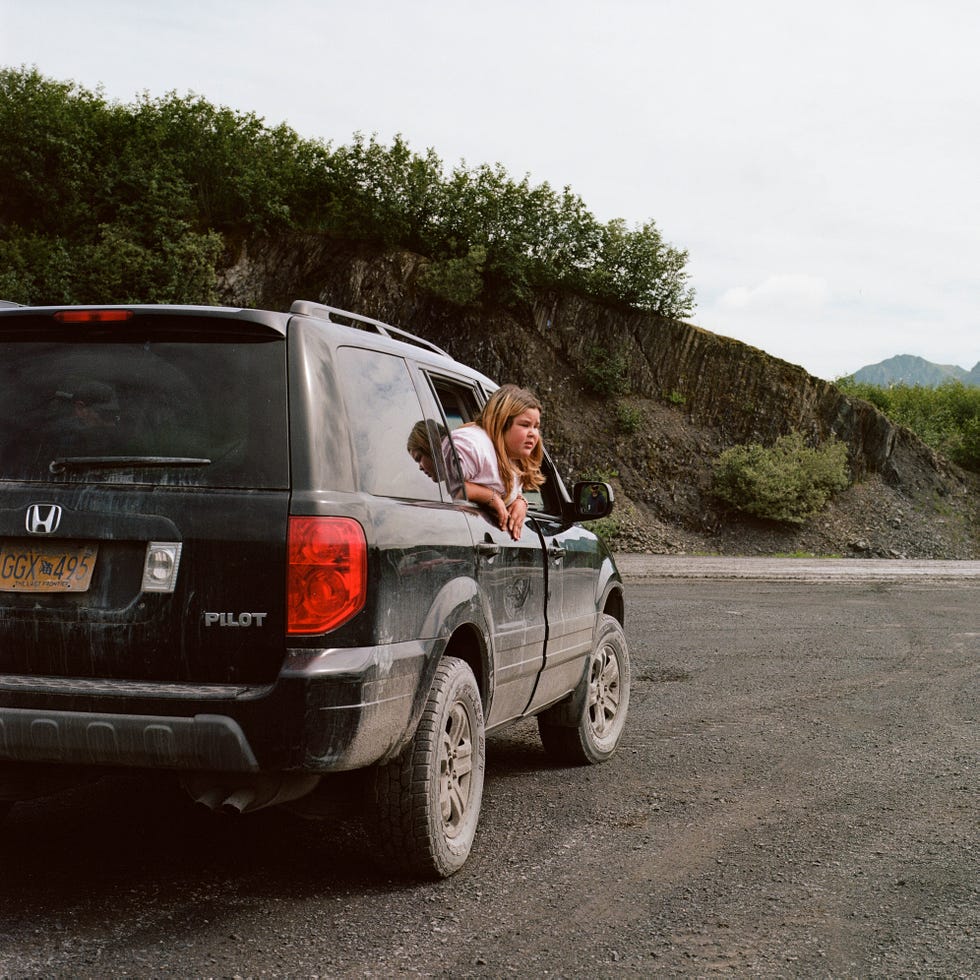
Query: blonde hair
418, 439
497, 416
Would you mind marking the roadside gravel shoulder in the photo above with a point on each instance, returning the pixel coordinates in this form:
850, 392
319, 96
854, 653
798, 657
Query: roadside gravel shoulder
641, 567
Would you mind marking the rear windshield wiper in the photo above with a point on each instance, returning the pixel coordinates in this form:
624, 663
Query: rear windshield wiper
123, 462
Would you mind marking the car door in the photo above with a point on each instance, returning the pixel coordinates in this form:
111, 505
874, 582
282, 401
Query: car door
571, 562
510, 576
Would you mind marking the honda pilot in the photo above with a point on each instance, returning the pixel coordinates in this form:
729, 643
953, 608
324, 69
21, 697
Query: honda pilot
217, 559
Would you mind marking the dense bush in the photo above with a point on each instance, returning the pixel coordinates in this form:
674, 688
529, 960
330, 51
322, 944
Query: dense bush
106, 202
629, 418
946, 418
605, 372
459, 281
787, 482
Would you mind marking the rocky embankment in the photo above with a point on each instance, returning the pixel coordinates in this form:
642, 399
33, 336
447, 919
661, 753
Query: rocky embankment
691, 394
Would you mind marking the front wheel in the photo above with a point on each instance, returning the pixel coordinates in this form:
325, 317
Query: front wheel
427, 801
587, 729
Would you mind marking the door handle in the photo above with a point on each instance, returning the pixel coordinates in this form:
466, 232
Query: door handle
556, 553
488, 549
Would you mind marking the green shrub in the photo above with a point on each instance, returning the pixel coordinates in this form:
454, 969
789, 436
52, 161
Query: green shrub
607, 529
628, 418
121, 265
178, 169
947, 417
36, 269
788, 482
458, 280
605, 372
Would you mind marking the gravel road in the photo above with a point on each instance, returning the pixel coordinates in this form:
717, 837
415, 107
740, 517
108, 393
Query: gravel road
796, 795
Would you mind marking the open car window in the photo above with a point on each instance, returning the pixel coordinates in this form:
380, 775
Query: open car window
460, 403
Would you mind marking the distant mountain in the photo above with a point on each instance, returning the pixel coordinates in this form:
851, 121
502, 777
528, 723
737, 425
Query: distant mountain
907, 369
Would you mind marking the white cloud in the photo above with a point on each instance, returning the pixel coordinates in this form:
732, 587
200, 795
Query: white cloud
817, 161
785, 293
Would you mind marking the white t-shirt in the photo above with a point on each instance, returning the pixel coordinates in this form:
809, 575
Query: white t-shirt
478, 460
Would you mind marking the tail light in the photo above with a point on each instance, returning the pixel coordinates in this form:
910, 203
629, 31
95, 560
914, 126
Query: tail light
93, 316
327, 582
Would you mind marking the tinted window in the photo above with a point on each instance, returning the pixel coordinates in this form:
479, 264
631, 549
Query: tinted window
388, 427
70, 394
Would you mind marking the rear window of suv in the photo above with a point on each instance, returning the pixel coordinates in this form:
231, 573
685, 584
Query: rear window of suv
185, 402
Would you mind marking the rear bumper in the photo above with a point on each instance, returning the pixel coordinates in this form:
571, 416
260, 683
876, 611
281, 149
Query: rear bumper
329, 710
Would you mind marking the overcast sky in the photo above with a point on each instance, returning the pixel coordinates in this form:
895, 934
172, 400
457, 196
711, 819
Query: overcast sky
820, 162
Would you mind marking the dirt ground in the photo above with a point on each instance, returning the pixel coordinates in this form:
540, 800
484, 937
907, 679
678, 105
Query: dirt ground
796, 795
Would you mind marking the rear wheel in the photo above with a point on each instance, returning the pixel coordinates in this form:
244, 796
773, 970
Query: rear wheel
428, 799
587, 729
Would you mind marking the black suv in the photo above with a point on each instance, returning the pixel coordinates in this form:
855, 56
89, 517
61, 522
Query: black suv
217, 557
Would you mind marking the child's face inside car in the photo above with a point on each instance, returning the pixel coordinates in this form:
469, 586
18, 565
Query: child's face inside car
523, 434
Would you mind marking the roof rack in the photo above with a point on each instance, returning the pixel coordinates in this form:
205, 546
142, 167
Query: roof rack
309, 308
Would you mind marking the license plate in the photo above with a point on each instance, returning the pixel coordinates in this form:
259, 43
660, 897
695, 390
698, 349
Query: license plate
46, 567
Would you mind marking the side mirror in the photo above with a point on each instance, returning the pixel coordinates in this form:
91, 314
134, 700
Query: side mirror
590, 501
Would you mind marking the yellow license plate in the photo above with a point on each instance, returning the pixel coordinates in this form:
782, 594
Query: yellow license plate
46, 567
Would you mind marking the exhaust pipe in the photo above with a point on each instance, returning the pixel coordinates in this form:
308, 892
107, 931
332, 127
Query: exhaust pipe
246, 794
239, 801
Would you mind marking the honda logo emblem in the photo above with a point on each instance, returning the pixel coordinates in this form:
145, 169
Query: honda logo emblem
43, 518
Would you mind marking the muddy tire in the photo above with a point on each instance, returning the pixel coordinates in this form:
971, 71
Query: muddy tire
427, 801
587, 729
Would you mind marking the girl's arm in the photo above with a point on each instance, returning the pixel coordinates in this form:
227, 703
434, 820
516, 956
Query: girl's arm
488, 497
510, 517
516, 512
